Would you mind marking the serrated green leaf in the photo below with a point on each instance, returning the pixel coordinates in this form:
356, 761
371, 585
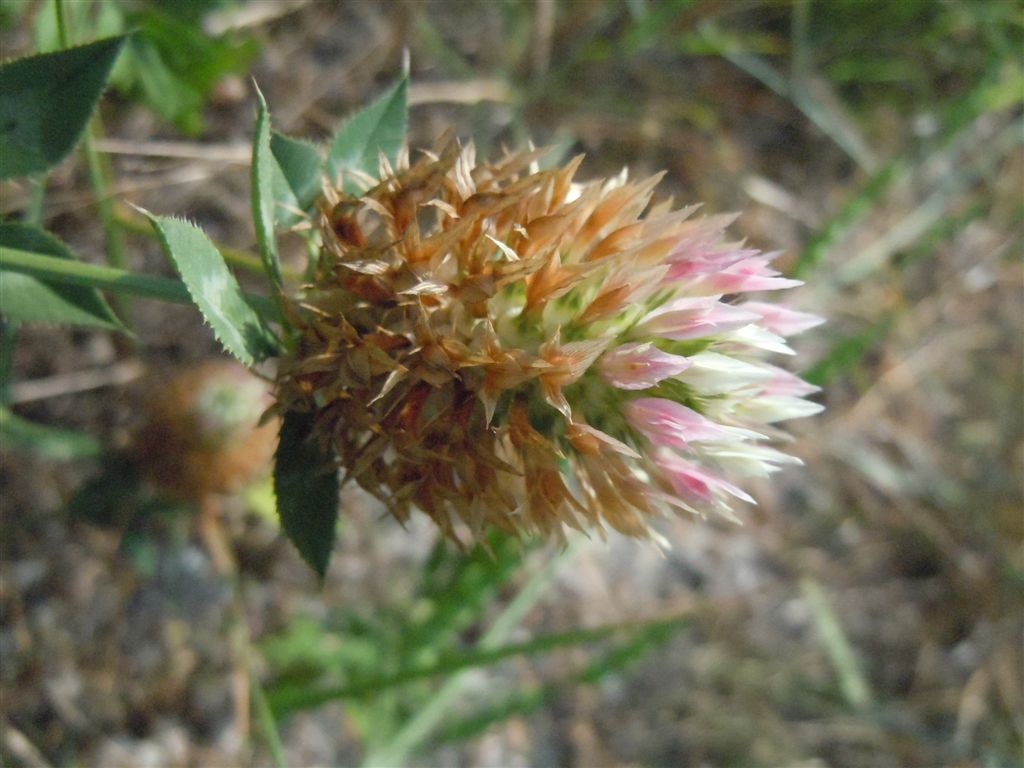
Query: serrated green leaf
377, 127
215, 291
297, 176
27, 299
18, 434
306, 485
262, 182
45, 102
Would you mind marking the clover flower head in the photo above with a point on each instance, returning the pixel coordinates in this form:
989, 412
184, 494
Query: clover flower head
502, 346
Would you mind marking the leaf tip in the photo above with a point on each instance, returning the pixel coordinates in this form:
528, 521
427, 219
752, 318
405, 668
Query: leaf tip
141, 210
259, 94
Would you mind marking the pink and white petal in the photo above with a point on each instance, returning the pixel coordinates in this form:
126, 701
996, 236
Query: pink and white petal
772, 408
711, 373
748, 459
753, 338
782, 382
752, 274
665, 422
694, 317
782, 320
690, 479
640, 365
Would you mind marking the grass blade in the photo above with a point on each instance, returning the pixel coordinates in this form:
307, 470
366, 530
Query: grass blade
268, 726
852, 682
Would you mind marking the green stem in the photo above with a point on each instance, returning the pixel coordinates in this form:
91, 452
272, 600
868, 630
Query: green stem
109, 278
99, 178
8, 342
312, 259
99, 170
801, 17
215, 538
93, 275
33, 215
62, 24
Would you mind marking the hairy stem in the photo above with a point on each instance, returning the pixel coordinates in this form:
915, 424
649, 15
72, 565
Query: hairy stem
108, 278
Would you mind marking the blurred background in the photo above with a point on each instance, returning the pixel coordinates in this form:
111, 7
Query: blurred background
869, 612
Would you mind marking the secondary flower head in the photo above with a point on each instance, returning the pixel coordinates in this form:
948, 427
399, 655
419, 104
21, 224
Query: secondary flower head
501, 346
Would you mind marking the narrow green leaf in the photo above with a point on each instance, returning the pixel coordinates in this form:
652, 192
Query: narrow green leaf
18, 434
303, 696
306, 485
262, 181
529, 699
215, 291
297, 177
377, 127
45, 102
27, 299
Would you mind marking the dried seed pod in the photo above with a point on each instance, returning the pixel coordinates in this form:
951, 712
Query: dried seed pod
202, 435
